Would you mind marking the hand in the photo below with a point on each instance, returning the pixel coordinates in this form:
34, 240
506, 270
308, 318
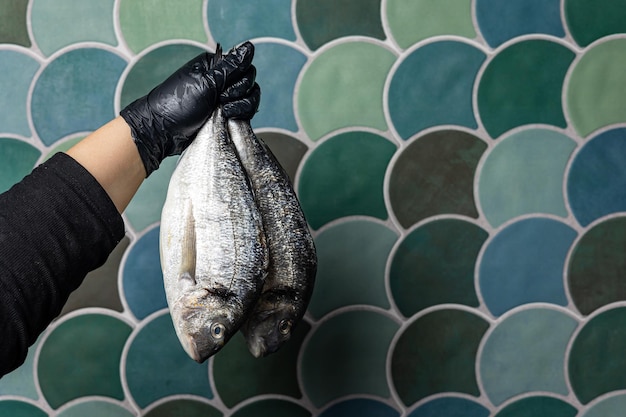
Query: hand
167, 119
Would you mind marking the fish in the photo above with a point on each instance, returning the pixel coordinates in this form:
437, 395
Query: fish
292, 255
214, 254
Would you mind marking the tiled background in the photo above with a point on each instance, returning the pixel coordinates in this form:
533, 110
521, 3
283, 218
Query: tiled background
462, 164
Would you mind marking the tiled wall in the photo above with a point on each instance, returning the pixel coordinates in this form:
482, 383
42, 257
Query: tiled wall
462, 164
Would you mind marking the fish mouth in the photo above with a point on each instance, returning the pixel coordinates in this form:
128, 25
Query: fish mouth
256, 346
201, 354
192, 350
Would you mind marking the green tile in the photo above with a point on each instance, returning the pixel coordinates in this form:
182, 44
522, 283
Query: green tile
523, 84
595, 274
594, 92
13, 23
435, 175
17, 159
347, 355
351, 266
151, 21
435, 264
239, 376
436, 354
81, 357
589, 20
17, 408
344, 176
536, 406
183, 407
274, 408
411, 21
338, 18
596, 362
343, 87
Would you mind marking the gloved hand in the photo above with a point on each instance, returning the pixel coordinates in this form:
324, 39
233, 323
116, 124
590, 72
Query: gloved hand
167, 119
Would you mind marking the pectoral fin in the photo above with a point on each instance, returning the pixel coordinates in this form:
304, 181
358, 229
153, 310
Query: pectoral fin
188, 262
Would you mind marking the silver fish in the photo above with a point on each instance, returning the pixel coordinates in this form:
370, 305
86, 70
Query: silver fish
293, 260
214, 254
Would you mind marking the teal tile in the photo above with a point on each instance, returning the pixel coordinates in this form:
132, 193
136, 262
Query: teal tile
157, 366
531, 254
500, 21
17, 69
87, 78
433, 86
524, 174
278, 84
142, 278
234, 22
526, 352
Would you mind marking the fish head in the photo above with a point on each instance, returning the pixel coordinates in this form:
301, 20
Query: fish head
204, 322
272, 322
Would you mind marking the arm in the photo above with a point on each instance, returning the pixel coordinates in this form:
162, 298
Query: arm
63, 220
111, 157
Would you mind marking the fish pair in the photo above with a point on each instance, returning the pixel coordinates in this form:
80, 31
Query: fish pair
236, 251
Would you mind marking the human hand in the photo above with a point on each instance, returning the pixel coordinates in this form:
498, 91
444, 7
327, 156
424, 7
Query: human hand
167, 119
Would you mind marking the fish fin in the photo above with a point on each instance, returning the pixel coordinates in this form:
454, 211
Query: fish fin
218, 55
188, 262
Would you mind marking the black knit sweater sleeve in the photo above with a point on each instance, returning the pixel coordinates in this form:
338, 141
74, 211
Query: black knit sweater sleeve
56, 225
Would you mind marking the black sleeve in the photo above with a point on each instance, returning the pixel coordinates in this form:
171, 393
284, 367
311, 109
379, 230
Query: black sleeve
56, 225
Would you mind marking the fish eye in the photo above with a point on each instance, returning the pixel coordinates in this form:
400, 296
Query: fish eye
284, 326
217, 330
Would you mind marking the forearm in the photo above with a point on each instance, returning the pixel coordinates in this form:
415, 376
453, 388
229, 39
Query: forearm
110, 155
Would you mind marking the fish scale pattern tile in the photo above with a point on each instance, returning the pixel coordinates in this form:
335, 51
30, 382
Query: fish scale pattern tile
462, 166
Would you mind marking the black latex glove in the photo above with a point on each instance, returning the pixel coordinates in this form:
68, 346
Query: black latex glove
167, 119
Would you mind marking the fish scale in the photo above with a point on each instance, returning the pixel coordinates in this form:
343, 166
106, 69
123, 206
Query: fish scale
292, 256
214, 255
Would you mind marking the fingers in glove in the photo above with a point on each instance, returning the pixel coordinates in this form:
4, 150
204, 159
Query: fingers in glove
241, 87
245, 107
232, 66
